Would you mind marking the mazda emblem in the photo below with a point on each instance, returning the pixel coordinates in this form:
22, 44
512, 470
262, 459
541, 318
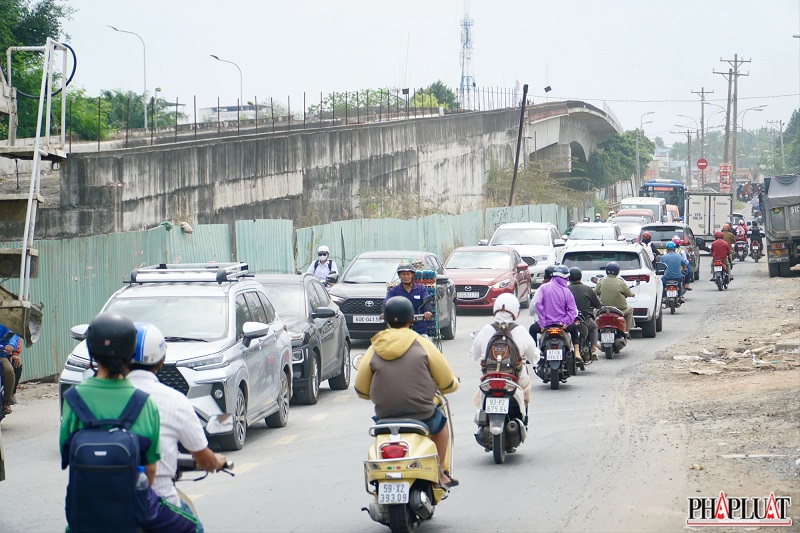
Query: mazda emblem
467, 288
369, 303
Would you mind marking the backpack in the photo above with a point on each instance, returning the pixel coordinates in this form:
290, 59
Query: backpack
104, 458
502, 353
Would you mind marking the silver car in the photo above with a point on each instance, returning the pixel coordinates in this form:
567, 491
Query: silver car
227, 349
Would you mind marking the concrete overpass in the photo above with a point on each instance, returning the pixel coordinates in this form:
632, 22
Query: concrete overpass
315, 175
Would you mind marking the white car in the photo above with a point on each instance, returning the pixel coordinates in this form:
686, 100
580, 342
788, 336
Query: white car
635, 265
536, 243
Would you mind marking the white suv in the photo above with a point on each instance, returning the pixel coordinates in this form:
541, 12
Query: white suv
536, 243
634, 265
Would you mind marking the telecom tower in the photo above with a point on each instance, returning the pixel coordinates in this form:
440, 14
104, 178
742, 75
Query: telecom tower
466, 90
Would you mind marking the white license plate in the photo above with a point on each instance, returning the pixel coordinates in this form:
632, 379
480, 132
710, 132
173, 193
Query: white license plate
555, 355
467, 294
367, 319
717, 269
389, 493
496, 406
607, 338
672, 294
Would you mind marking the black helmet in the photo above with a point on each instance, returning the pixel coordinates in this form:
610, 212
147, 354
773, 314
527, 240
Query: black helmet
398, 310
548, 271
406, 267
561, 271
755, 223
612, 268
575, 274
111, 335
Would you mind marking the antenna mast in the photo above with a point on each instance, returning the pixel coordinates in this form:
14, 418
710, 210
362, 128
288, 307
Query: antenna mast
466, 90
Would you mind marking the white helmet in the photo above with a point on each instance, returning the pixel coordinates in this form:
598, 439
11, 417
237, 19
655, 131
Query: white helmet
151, 347
507, 302
323, 250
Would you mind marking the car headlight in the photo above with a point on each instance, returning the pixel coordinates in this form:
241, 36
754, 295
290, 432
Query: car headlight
208, 362
297, 336
298, 355
541, 257
75, 362
502, 284
337, 299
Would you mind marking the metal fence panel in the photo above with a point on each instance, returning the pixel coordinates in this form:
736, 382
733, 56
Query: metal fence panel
267, 246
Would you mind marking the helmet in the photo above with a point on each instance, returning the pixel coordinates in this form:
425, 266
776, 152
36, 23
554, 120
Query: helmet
646, 235
575, 274
676, 240
398, 310
755, 224
597, 215
150, 345
671, 246
612, 268
741, 222
561, 271
611, 213
548, 271
323, 250
507, 302
406, 267
717, 234
111, 335
726, 226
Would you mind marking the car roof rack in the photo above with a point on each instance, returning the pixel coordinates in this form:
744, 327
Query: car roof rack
190, 272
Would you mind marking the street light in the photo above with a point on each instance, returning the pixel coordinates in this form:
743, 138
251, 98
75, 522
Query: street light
638, 166
241, 98
144, 64
757, 108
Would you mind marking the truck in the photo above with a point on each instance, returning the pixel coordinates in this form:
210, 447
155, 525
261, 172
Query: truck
780, 204
707, 212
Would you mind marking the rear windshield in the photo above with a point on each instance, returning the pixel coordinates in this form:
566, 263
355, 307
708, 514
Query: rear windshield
523, 236
664, 234
593, 233
599, 260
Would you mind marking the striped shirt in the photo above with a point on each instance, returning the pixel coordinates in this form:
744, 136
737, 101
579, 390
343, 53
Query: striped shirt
178, 423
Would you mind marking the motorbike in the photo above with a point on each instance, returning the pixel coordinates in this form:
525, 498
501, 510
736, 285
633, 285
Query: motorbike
611, 329
755, 250
672, 291
583, 342
556, 362
721, 276
740, 250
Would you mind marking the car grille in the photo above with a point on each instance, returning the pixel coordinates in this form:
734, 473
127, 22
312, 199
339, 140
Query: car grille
358, 306
170, 376
530, 260
480, 289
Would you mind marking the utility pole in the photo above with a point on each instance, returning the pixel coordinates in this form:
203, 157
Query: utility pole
728, 76
702, 92
735, 63
688, 157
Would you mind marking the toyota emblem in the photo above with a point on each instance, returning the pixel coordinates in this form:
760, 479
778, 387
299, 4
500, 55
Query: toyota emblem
369, 303
468, 288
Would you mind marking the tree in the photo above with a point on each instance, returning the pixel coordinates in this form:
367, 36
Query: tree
659, 142
615, 159
791, 143
444, 95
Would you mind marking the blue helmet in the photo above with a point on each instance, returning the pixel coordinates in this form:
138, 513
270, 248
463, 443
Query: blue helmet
671, 246
612, 268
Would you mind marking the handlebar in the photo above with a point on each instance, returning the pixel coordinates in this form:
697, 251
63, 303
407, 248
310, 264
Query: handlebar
186, 463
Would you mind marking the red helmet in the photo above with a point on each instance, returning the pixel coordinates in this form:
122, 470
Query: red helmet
676, 240
646, 235
726, 226
717, 234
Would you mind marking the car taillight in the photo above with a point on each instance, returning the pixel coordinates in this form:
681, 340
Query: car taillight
645, 278
394, 451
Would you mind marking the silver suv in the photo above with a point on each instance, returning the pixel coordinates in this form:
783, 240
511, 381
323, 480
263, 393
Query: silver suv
227, 349
536, 243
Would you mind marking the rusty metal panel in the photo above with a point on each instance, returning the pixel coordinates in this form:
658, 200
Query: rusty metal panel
267, 246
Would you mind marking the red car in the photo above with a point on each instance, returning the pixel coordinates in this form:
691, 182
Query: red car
482, 273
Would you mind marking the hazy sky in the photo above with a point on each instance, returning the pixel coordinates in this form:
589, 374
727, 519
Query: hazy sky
636, 55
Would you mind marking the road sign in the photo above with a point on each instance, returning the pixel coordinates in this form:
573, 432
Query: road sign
702, 164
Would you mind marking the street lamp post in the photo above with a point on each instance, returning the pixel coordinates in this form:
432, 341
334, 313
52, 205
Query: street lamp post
638, 165
241, 93
144, 65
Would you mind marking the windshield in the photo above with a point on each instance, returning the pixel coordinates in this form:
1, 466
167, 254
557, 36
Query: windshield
196, 318
652, 208
487, 260
593, 233
521, 236
664, 234
373, 269
629, 228
599, 260
287, 299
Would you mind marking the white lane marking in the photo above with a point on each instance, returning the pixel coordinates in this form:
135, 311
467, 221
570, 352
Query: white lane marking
321, 416
241, 468
286, 439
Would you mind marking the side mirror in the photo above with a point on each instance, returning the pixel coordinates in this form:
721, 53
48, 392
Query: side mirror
220, 424
700, 243
324, 312
332, 279
79, 332
357, 360
254, 330
621, 238
483, 242
522, 267
426, 300
560, 242
660, 269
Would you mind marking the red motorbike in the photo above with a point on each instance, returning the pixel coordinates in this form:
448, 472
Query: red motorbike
721, 276
612, 330
755, 250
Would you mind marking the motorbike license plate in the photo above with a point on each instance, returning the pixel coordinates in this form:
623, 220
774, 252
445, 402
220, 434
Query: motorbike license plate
389, 493
607, 338
717, 268
467, 294
672, 294
496, 406
555, 355
367, 319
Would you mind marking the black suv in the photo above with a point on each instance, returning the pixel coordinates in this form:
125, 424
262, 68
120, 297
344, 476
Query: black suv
662, 233
362, 288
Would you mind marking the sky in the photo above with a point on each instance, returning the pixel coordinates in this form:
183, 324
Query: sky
637, 56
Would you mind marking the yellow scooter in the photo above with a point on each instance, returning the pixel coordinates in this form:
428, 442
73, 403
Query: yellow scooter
402, 471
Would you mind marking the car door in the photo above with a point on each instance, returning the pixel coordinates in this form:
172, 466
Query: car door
251, 356
268, 356
327, 328
523, 276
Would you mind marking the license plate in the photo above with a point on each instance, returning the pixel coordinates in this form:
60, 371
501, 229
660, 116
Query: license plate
389, 493
496, 406
607, 338
555, 355
467, 294
717, 268
367, 319
672, 294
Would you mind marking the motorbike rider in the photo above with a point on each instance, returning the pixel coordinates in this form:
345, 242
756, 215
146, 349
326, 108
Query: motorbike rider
179, 423
323, 266
757, 234
415, 293
506, 309
728, 234
720, 249
547, 276
613, 292
674, 262
687, 269
556, 305
8, 360
585, 301
401, 372
650, 247
597, 217
741, 234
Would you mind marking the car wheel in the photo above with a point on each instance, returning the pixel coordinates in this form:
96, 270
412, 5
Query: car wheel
697, 270
309, 395
342, 381
235, 441
449, 333
660, 321
649, 328
280, 418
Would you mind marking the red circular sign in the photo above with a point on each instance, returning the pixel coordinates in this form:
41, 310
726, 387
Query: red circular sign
702, 164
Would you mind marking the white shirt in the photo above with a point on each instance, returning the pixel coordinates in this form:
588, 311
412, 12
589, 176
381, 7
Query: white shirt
525, 343
178, 423
323, 270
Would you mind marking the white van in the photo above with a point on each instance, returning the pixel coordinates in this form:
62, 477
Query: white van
657, 205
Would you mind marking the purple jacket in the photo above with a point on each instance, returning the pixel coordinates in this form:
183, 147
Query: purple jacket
555, 305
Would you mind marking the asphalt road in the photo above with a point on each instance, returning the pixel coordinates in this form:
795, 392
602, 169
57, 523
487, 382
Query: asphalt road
587, 464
